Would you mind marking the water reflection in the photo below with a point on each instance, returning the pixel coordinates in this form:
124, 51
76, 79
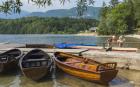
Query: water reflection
125, 78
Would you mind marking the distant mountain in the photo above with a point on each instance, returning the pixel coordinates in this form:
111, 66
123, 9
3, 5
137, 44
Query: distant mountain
92, 12
13, 15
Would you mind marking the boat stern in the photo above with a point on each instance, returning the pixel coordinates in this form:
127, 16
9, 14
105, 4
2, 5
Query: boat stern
108, 76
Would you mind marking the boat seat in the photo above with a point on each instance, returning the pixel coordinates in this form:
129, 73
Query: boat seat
73, 62
35, 63
90, 67
85, 66
35, 60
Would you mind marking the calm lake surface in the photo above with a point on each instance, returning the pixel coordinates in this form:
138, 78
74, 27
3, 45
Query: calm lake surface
125, 78
53, 39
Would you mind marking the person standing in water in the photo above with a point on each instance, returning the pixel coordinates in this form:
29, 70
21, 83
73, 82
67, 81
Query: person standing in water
121, 41
111, 41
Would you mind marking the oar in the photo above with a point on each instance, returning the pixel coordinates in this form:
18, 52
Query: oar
80, 53
109, 49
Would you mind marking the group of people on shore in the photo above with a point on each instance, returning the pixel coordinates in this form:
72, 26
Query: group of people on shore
113, 40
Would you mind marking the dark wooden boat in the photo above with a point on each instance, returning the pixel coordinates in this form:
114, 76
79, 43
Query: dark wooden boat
9, 59
39, 46
35, 64
86, 68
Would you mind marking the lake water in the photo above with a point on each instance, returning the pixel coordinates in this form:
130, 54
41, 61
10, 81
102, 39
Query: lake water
52, 39
125, 78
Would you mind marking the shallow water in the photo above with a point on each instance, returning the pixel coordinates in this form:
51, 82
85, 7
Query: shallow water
125, 78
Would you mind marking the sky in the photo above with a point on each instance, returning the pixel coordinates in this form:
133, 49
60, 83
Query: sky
30, 7
56, 5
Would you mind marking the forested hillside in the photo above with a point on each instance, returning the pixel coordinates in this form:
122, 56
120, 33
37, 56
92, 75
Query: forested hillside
37, 25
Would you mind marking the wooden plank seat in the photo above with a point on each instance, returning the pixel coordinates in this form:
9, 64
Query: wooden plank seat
84, 66
35, 60
72, 61
35, 63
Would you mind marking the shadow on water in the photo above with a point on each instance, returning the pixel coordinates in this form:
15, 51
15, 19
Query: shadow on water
120, 82
59, 78
10, 79
66, 80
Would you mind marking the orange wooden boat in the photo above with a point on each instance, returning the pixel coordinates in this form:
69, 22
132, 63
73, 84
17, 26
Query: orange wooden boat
86, 68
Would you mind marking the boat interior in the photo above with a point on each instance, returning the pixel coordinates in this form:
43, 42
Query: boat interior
9, 56
3, 59
84, 63
35, 60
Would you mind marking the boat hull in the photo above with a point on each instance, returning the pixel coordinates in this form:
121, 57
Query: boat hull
35, 73
35, 64
99, 77
4, 67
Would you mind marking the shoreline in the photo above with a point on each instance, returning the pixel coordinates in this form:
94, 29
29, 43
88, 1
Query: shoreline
96, 35
81, 34
134, 36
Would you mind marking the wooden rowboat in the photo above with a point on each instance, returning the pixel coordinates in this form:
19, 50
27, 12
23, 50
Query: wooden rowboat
9, 59
121, 49
39, 46
86, 68
35, 64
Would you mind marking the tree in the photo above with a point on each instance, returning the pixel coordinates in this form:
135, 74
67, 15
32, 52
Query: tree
102, 25
36, 25
113, 3
115, 22
130, 18
137, 13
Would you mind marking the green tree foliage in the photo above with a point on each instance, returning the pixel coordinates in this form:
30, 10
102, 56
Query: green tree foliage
137, 12
115, 20
36, 25
118, 19
102, 25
